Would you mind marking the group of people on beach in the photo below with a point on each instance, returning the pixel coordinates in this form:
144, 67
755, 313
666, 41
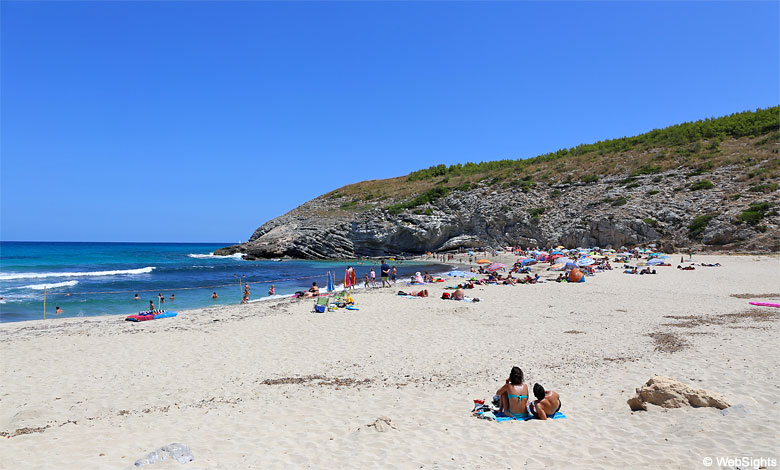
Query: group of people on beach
514, 400
388, 274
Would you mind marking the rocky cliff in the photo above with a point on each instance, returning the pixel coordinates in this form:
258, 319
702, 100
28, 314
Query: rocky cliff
706, 193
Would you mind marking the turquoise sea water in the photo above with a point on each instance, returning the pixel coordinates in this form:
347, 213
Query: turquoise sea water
83, 278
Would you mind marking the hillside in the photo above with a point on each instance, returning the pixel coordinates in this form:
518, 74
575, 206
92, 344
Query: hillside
710, 183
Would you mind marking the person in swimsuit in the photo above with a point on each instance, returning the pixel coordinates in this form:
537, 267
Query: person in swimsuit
547, 403
514, 395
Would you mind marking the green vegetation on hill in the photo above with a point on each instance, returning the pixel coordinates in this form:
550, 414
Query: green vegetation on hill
744, 124
746, 140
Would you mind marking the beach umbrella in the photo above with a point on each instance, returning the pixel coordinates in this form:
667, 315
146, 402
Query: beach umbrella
484, 261
570, 265
528, 262
654, 262
558, 267
564, 260
585, 262
597, 257
557, 252
495, 267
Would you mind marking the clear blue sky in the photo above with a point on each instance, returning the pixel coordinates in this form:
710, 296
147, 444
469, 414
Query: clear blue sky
198, 121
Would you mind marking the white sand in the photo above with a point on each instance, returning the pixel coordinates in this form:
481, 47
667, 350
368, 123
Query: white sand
111, 391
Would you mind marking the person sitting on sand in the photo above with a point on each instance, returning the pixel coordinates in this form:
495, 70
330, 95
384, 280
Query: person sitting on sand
313, 291
547, 403
459, 293
513, 396
560, 278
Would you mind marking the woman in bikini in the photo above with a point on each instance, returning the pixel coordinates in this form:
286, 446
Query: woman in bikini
514, 395
546, 405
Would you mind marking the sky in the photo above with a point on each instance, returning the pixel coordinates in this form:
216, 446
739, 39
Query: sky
199, 121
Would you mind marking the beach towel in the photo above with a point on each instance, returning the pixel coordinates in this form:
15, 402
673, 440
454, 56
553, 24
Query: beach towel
499, 417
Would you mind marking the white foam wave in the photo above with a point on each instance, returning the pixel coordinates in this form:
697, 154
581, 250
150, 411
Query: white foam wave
50, 286
10, 276
213, 256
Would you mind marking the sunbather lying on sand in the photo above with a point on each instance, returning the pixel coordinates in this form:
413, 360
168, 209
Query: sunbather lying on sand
420, 293
547, 403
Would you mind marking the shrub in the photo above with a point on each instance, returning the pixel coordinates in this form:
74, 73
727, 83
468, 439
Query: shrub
697, 225
646, 170
621, 201
734, 197
555, 193
632, 186
754, 213
764, 188
702, 184
590, 179
349, 205
653, 192
651, 222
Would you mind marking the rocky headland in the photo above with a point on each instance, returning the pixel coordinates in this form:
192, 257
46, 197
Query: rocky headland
711, 184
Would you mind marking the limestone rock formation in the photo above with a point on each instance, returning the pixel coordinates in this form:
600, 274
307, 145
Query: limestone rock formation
605, 213
669, 393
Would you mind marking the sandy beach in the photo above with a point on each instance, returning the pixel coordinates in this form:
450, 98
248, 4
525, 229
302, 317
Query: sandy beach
273, 385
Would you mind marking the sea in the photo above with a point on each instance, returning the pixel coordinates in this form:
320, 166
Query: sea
87, 279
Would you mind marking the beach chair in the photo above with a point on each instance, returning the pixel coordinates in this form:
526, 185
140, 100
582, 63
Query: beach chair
321, 304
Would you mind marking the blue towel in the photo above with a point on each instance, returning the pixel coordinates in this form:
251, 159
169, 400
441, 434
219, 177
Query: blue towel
502, 417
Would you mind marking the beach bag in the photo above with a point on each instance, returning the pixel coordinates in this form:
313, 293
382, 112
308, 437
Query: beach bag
319, 308
445, 295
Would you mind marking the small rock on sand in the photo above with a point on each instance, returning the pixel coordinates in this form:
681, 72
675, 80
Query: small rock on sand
669, 393
382, 424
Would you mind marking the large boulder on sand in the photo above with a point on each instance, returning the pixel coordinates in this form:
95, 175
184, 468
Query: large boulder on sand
669, 393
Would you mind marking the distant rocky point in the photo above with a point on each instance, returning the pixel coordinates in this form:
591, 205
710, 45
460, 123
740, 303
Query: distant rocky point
710, 184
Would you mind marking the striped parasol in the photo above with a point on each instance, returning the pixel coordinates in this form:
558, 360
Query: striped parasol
495, 267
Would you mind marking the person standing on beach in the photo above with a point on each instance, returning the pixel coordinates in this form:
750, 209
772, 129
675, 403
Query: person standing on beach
393, 276
246, 294
385, 273
373, 278
349, 278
